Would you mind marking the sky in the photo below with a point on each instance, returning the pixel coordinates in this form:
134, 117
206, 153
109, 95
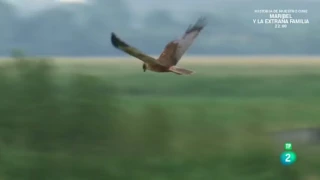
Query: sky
143, 6
140, 7
178, 8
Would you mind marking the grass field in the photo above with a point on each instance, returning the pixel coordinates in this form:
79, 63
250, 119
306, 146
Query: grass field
104, 118
274, 86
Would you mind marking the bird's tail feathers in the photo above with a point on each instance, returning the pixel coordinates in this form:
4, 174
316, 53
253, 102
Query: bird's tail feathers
180, 71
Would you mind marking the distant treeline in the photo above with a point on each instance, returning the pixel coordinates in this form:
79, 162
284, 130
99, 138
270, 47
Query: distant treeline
84, 30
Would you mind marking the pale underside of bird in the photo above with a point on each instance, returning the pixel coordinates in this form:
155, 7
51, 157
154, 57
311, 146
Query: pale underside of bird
171, 54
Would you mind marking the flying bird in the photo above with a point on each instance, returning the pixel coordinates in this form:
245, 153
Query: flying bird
171, 54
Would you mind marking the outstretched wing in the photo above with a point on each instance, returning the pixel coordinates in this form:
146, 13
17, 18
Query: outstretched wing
119, 44
189, 36
175, 49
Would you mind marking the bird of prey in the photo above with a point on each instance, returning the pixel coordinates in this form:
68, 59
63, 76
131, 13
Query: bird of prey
171, 54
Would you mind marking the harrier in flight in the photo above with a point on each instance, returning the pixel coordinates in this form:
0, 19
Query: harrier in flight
171, 54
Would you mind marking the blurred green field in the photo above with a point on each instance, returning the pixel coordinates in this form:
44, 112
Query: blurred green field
274, 90
104, 118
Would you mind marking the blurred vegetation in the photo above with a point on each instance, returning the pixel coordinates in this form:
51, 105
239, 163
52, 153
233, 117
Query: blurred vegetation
88, 127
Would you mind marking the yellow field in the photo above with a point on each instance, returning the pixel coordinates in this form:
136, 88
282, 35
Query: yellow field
202, 65
252, 60
220, 60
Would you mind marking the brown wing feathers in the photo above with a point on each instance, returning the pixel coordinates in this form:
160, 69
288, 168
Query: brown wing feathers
198, 26
172, 52
189, 36
119, 44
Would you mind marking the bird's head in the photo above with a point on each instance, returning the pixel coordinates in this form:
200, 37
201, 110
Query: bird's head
144, 67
